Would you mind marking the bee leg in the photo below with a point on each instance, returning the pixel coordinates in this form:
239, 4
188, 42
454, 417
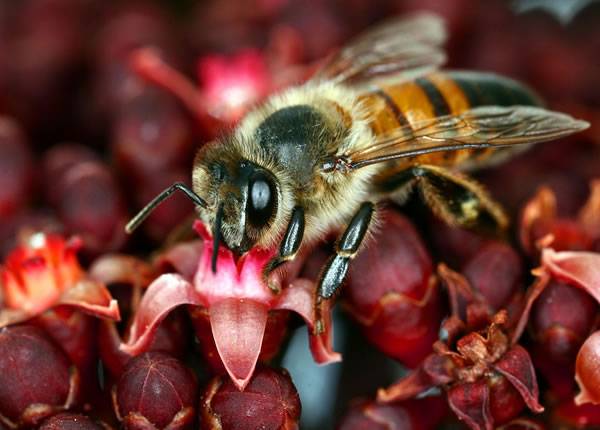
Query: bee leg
459, 200
289, 245
336, 268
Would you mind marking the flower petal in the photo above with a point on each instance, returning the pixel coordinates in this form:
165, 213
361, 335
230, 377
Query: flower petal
471, 404
416, 382
575, 267
122, 269
182, 257
537, 217
13, 316
162, 296
298, 297
242, 279
516, 366
590, 213
92, 298
533, 292
238, 328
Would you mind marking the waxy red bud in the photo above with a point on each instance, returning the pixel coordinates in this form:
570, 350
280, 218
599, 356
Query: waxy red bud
496, 272
587, 370
269, 402
397, 304
35, 377
422, 414
156, 391
92, 206
561, 319
70, 421
57, 162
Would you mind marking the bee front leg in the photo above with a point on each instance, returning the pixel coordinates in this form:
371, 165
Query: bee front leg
289, 245
336, 268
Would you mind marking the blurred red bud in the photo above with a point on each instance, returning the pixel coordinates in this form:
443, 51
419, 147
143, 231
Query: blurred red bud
16, 168
421, 414
562, 317
35, 377
57, 162
496, 272
92, 207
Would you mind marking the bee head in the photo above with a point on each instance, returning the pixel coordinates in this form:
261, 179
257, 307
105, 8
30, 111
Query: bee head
243, 198
246, 204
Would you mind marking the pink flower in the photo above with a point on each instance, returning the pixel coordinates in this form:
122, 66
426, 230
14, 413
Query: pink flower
44, 273
231, 84
238, 303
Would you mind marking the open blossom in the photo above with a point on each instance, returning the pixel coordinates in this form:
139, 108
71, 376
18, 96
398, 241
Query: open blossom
238, 304
488, 378
44, 273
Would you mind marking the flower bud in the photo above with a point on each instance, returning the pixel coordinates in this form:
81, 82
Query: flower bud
397, 304
35, 378
70, 421
269, 402
155, 391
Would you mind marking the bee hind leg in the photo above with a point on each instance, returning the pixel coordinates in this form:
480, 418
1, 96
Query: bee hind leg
336, 268
289, 245
459, 200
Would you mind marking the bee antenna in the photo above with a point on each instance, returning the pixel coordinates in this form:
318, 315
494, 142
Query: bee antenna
147, 210
216, 237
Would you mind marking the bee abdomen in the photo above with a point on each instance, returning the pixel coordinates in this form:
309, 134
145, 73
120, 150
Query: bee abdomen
438, 94
483, 89
443, 93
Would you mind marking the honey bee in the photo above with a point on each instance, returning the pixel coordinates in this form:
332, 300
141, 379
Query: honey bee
375, 122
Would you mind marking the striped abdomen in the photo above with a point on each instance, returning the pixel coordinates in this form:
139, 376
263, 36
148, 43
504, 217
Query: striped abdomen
438, 94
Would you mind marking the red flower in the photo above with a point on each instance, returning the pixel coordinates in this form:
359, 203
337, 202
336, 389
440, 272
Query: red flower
44, 273
238, 303
542, 227
487, 377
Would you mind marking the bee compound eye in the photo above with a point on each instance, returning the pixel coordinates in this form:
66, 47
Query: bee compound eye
260, 195
262, 201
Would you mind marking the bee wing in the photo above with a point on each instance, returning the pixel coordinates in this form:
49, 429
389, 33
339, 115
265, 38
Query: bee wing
409, 46
481, 127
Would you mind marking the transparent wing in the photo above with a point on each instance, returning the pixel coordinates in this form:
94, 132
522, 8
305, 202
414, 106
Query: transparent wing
410, 46
481, 127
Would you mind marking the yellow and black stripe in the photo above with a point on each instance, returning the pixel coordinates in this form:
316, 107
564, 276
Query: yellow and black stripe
438, 94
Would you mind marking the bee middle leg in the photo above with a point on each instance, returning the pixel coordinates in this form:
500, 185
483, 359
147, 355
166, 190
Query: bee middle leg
289, 245
336, 268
